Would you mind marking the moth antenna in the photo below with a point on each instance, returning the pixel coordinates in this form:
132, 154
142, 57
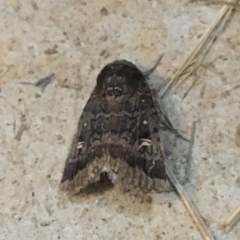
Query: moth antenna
151, 70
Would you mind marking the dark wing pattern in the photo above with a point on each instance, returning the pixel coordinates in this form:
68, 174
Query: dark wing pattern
118, 133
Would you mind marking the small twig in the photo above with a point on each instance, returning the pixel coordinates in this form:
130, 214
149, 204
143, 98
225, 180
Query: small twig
42, 83
5, 71
231, 220
189, 206
22, 128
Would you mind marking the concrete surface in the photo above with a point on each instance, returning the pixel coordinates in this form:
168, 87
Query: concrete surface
74, 40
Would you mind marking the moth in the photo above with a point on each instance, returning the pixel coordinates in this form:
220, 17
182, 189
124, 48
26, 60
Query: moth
118, 134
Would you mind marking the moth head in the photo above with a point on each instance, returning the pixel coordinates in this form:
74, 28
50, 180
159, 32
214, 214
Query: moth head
119, 78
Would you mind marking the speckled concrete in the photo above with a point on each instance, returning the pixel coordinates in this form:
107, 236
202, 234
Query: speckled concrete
74, 40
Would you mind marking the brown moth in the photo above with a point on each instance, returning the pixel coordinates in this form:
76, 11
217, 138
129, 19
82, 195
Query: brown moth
118, 134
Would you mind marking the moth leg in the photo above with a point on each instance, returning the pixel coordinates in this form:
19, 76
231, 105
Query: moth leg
151, 70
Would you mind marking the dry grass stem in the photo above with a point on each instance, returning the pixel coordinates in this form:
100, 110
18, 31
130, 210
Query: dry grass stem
196, 57
234, 5
200, 225
231, 220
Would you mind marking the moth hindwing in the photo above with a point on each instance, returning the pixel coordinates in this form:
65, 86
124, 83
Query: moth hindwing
118, 134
